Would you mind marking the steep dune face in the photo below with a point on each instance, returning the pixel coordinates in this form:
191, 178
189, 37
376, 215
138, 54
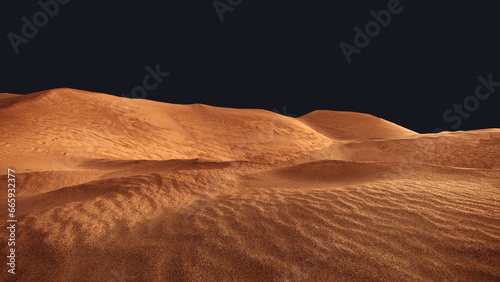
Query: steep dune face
116, 189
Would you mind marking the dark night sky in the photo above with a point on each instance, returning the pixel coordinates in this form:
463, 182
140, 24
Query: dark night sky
267, 54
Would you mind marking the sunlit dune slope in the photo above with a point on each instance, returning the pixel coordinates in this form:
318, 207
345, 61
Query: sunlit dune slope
470, 149
351, 126
118, 189
68, 127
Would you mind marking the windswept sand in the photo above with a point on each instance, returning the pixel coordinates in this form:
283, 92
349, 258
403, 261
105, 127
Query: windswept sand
117, 189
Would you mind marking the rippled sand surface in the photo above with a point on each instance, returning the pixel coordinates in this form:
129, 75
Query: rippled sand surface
115, 189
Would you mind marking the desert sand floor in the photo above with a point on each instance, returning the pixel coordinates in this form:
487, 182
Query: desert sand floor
117, 189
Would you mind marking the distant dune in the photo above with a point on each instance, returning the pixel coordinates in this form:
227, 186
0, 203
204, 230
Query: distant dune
339, 126
118, 189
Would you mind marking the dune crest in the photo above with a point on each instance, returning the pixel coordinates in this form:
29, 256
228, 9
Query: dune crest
351, 126
112, 188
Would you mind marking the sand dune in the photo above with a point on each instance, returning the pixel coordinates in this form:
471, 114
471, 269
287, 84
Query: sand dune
471, 149
127, 129
116, 189
339, 125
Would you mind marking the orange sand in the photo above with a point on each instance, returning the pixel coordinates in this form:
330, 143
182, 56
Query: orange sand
117, 189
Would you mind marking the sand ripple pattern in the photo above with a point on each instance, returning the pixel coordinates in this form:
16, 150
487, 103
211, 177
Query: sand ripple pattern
186, 226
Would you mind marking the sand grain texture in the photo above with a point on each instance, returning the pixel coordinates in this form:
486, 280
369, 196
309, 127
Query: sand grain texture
117, 189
